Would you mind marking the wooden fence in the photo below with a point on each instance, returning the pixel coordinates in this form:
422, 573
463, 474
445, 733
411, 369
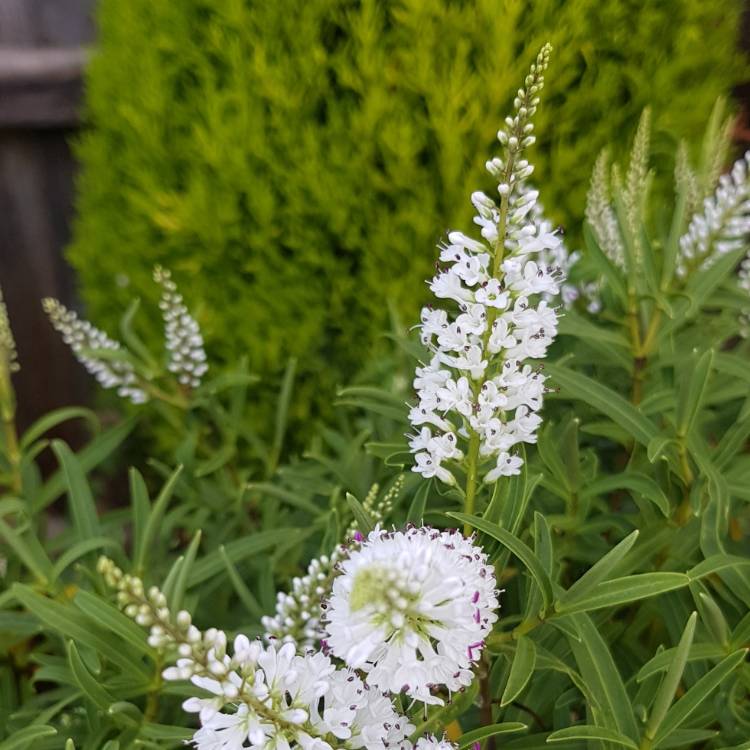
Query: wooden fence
42, 54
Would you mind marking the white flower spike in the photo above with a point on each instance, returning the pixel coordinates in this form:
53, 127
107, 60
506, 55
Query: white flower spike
478, 397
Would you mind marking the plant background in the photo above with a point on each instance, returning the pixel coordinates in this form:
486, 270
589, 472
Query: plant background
296, 163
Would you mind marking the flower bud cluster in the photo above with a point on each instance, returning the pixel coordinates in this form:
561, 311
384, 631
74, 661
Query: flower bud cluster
183, 340
8, 353
478, 387
261, 695
378, 508
84, 340
723, 225
298, 613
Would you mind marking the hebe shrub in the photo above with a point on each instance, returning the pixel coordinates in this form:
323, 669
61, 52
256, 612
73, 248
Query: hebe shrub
290, 161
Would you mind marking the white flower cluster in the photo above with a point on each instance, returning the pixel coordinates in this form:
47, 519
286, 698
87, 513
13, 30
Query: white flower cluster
262, 696
412, 609
84, 340
298, 613
183, 340
724, 223
8, 353
478, 385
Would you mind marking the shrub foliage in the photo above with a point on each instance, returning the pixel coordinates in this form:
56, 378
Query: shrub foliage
293, 162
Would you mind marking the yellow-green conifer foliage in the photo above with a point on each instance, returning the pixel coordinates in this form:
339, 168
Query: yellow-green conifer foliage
290, 160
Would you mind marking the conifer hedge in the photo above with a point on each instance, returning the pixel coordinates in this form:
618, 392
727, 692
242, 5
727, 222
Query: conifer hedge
291, 160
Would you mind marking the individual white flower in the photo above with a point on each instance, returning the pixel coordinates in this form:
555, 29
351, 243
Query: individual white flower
507, 466
412, 609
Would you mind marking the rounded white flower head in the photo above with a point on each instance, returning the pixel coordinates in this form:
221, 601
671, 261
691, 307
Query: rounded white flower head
412, 609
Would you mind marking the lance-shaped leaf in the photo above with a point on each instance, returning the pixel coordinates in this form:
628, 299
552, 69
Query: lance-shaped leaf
520, 671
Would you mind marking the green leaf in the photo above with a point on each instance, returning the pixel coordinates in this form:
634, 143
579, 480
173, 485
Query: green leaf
80, 549
243, 592
668, 688
520, 671
54, 418
622, 412
572, 324
364, 522
589, 732
692, 393
697, 694
88, 458
620, 591
662, 660
151, 528
29, 551
181, 582
477, 735
294, 499
715, 564
110, 618
517, 547
140, 507
21, 739
416, 510
282, 412
634, 482
241, 549
71, 623
86, 681
598, 572
80, 500
165, 733
602, 679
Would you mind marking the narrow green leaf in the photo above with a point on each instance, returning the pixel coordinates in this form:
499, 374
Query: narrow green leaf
91, 687
364, 522
140, 505
477, 735
166, 733
520, 671
180, 586
80, 500
243, 592
635, 483
110, 618
80, 549
620, 591
517, 547
668, 688
282, 411
88, 458
29, 551
606, 268
241, 549
602, 679
697, 694
54, 418
662, 660
692, 393
71, 623
589, 732
622, 412
153, 523
21, 739
294, 499
598, 571
415, 514
715, 564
